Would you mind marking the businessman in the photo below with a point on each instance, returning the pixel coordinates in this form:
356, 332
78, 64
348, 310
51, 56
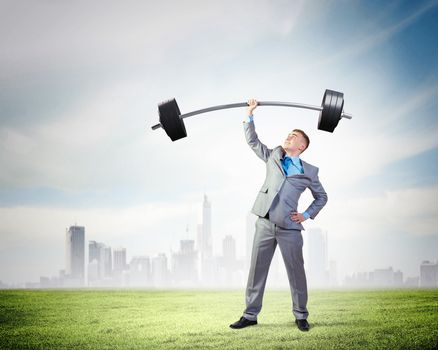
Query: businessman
279, 222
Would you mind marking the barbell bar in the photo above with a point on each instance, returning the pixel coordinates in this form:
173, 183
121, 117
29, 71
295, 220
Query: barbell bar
331, 111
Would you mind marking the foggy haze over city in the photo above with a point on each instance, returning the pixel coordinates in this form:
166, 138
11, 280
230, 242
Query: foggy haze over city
194, 265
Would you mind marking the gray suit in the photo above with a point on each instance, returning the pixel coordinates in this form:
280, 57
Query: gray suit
278, 197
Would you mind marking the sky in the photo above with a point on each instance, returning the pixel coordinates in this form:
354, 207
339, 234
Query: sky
79, 87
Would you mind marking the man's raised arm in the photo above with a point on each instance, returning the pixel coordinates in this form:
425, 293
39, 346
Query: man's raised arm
252, 139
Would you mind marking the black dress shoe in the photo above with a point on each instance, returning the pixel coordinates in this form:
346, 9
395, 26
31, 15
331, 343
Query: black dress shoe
242, 323
303, 325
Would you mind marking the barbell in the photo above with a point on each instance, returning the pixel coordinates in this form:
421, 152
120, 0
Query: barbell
330, 113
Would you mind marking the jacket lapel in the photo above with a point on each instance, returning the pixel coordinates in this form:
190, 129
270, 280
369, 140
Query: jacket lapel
277, 159
305, 168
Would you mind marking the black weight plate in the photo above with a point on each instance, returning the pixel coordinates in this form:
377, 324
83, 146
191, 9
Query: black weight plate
323, 123
170, 120
333, 115
338, 108
332, 104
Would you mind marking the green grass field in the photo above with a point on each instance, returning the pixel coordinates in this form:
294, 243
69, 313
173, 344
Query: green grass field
144, 319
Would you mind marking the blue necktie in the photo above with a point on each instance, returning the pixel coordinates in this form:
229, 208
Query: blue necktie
287, 161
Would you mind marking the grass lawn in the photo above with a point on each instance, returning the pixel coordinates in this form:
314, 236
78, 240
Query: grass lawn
194, 319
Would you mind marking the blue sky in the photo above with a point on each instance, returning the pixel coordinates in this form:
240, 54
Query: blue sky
80, 83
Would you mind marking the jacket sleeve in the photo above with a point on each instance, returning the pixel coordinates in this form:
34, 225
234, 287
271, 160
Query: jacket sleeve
319, 195
253, 141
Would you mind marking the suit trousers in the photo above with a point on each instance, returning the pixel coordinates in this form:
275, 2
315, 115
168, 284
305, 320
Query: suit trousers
267, 235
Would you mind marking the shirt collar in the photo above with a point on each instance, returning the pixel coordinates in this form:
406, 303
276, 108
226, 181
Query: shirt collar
294, 159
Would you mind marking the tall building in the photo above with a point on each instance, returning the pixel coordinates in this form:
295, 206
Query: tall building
207, 246
428, 274
119, 261
317, 273
93, 271
106, 266
160, 272
229, 249
378, 278
229, 260
382, 277
75, 253
207, 261
398, 278
94, 261
184, 264
94, 251
199, 237
99, 257
140, 271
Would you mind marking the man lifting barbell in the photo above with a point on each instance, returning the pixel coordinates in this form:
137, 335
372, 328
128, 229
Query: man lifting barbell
287, 176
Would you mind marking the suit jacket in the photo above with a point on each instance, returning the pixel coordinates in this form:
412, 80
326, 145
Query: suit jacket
280, 193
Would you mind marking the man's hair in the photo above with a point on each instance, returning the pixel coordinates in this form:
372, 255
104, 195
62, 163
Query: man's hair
304, 135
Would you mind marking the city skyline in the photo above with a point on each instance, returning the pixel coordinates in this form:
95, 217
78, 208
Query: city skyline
194, 265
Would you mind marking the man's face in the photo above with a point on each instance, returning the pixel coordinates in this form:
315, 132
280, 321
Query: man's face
294, 142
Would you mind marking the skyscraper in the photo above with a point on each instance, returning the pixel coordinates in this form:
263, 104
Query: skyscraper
184, 263
316, 269
94, 251
229, 251
95, 256
229, 260
106, 266
206, 251
207, 248
160, 271
119, 260
140, 271
428, 274
199, 237
75, 252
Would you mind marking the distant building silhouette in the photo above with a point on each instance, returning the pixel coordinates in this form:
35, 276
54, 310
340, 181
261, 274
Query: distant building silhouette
160, 271
428, 274
385, 278
229, 250
93, 272
206, 239
229, 261
206, 244
106, 267
75, 254
378, 278
95, 256
120, 265
140, 271
316, 268
184, 264
412, 282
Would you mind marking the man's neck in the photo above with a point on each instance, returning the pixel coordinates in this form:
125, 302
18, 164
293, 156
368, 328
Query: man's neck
292, 154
